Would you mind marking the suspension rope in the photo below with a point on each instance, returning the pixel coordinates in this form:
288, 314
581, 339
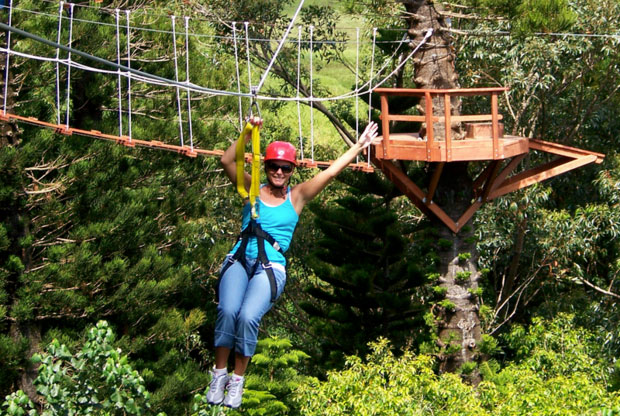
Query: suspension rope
6, 68
301, 137
357, 98
370, 78
137, 74
128, 77
176, 78
247, 52
118, 71
69, 60
311, 97
157, 80
60, 8
189, 103
234, 29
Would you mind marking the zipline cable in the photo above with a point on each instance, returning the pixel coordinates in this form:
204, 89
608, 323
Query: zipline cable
275, 55
129, 70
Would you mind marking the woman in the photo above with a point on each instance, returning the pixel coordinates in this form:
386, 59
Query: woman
253, 276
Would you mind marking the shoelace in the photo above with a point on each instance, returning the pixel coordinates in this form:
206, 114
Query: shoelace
234, 387
216, 380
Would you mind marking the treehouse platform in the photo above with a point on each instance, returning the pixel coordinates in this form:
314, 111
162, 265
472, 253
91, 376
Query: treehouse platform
439, 136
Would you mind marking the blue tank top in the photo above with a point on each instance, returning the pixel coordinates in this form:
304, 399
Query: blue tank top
278, 221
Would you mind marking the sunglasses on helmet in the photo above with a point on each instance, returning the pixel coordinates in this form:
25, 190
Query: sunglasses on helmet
274, 167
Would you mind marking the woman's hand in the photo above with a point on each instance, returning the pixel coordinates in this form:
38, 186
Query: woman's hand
369, 136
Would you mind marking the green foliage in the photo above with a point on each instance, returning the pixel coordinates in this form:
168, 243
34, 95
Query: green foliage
463, 257
558, 348
462, 276
444, 244
97, 380
488, 345
447, 304
370, 274
476, 292
92, 230
407, 384
440, 290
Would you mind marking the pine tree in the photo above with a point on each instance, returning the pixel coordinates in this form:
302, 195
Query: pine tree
369, 273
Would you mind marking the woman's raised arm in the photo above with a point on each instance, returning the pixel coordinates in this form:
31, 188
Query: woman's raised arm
306, 191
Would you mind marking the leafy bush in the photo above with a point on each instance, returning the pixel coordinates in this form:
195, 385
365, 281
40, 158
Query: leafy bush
98, 380
558, 371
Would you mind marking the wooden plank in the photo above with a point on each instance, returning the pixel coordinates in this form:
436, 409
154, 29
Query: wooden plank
408, 117
413, 192
464, 219
541, 176
492, 182
429, 124
385, 125
494, 126
448, 126
563, 150
537, 170
484, 175
440, 119
473, 118
454, 91
512, 165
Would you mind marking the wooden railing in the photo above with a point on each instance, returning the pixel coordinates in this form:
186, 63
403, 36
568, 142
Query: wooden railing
448, 118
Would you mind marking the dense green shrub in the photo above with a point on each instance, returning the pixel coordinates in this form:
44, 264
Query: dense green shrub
558, 371
98, 380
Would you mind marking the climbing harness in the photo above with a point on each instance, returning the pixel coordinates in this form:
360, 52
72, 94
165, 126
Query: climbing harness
240, 162
254, 230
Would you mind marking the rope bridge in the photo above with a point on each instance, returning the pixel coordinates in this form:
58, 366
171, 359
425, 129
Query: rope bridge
125, 76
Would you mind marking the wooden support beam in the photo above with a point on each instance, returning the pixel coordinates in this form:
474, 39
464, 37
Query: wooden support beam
432, 187
541, 173
563, 150
481, 179
490, 183
413, 192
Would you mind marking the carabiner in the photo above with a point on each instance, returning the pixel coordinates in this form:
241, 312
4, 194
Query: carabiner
254, 105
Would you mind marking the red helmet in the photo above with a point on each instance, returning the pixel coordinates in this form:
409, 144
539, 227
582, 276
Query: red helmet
281, 151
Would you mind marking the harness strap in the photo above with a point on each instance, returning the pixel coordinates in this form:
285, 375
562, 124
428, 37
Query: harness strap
240, 164
254, 230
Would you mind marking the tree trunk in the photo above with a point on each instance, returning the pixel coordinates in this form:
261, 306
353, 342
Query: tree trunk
458, 320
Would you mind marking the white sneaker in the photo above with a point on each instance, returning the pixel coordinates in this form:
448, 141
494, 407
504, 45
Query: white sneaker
217, 387
234, 390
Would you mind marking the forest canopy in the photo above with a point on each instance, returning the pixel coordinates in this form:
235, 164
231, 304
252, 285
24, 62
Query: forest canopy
109, 254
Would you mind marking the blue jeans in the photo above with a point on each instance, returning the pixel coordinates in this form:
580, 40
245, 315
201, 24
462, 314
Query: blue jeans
243, 302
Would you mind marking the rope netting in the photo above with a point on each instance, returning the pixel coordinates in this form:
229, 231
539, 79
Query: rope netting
128, 35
